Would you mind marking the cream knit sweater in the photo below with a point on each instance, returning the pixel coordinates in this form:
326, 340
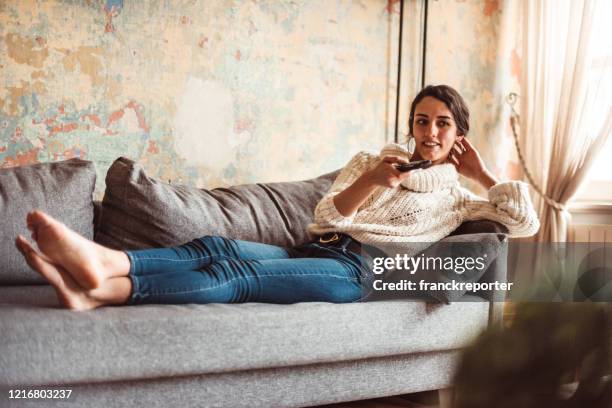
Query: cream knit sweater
425, 207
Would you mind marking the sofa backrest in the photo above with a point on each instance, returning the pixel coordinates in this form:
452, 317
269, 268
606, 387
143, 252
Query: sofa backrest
139, 211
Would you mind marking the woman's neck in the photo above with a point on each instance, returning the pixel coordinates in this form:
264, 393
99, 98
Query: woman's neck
417, 156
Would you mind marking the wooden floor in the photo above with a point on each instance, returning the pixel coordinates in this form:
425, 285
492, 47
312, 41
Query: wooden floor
421, 400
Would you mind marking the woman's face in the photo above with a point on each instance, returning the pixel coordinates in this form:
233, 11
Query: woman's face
434, 130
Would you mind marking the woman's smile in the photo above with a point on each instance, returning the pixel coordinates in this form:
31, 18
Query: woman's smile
430, 151
431, 145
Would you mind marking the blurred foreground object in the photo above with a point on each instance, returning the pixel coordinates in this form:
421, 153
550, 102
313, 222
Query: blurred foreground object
553, 355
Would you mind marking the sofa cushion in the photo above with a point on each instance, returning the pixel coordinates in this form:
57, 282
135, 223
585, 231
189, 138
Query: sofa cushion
141, 212
417, 266
117, 343
62, 189
481, 248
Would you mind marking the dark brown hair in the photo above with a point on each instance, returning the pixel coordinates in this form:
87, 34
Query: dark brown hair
453, 101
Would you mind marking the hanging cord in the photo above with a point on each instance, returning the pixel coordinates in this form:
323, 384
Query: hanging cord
399, 71
514, 120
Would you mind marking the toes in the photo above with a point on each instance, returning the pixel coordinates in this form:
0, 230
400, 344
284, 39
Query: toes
37, 218
23, 245
70, 294
43, 228
37, 261
29, 221
33, 217
46, 269
30, 255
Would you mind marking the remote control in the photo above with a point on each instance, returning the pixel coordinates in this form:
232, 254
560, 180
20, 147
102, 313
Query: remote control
420, 164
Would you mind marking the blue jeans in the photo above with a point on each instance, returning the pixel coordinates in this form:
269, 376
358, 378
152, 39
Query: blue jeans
215, 269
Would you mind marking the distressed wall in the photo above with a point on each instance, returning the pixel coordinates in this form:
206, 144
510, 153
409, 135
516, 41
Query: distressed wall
472, 46
208, 93
220, 92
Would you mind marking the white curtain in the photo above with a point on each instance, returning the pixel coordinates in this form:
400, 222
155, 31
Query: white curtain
562, 126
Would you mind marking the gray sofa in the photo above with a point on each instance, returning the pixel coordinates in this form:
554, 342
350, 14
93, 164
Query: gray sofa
215, 355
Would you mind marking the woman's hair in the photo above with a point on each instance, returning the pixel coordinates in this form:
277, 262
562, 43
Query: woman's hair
453, 101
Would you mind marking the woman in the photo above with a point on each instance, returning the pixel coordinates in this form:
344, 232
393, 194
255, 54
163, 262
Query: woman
371, 202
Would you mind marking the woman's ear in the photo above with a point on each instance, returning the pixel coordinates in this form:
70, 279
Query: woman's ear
460, 138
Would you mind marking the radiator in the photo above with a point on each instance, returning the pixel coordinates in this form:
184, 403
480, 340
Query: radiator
592, 255
596, 233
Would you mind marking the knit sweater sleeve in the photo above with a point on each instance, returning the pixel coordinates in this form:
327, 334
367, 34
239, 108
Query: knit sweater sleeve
509, 204
326, 214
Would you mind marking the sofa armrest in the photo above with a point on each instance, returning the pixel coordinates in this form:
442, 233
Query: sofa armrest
497, 272
480, 226
497, 269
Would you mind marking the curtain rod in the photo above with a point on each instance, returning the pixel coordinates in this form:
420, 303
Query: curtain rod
399, 72
399, 62
424, 60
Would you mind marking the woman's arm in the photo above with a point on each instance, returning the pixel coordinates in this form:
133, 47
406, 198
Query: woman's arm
469, 164
351, 198
508, 202
383, 175
487, 179
357, 181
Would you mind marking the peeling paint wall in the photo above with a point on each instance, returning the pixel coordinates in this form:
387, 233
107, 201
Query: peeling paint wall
207, 93
471, 46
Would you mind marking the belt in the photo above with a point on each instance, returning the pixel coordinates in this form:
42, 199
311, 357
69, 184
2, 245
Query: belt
337, 239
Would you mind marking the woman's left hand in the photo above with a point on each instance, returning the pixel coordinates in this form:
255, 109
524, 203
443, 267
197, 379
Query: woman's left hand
468, 162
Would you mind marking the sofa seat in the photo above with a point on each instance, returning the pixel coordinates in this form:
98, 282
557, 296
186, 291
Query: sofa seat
154, 341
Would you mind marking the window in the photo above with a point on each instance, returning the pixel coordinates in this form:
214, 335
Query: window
598, 184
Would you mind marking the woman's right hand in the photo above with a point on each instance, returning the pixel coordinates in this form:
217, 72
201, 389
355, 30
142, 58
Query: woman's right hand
385, 174
349, 200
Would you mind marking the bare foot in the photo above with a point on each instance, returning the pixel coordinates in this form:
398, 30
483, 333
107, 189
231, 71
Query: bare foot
70, 294
89, 264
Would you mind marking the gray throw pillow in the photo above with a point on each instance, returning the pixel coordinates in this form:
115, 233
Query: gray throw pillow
141, 212
480, 226
459, 258
482, 249
62, 189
